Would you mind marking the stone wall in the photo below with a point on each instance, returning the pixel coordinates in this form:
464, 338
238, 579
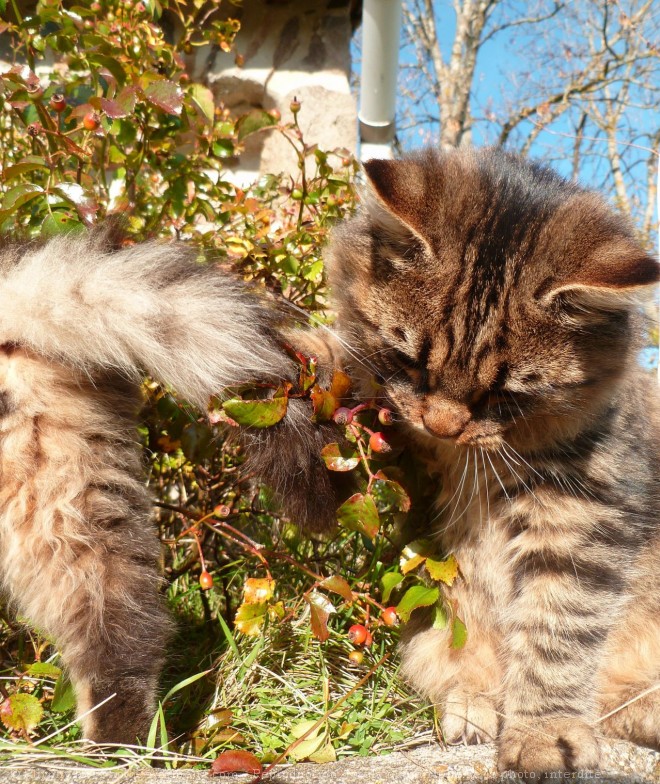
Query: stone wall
287, 49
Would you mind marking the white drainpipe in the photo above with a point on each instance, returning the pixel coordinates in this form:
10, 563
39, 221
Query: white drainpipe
381, 26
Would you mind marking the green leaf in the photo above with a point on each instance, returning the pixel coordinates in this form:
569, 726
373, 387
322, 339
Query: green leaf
126, 100
445, 571
458, 633
21, 712
414, 597
223, 148
56, 223
44, 670
339, 458
165, 95
390, 495
203, 97
389, 581
28, 164
257, 413
64, 697
110, 63
440, 618
183, 684
359, 513
18, 196
253, 121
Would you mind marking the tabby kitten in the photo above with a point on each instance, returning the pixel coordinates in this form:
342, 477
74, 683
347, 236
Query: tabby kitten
78, 553
495, 303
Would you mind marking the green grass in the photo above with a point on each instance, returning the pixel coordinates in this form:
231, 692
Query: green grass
221, 688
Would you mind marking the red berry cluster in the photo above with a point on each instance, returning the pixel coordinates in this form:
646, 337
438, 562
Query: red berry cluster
360, 635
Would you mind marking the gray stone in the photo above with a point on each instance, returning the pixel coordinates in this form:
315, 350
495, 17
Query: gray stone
289, 48
623, 763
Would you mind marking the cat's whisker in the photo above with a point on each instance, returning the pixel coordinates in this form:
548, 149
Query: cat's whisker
318, 324
485, 482
457, 495
497, 476
514, 473
456, 516
506, 458
456, 491
474, 489
520, 457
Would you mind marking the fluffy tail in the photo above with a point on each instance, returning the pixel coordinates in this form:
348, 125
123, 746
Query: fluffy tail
148, 308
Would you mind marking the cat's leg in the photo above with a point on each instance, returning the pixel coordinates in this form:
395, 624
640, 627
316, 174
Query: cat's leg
78, 557
566, 591
463, 682
629, 682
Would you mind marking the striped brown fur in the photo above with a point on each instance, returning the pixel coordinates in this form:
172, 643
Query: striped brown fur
498, 304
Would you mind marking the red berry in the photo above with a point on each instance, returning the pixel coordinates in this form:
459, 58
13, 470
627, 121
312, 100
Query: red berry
222, 510
205, 580
368, 639
389, 616
378, 443
58, 102
356, 657
343, 416
91, 121
358, 633
34, 129
385, 416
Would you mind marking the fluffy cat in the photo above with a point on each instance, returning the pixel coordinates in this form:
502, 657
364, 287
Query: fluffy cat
496, 304
79, 325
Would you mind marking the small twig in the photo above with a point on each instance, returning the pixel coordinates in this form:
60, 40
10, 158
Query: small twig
639, 696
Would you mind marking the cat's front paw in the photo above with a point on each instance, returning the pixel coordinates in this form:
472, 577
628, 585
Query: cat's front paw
468, 718
548, 745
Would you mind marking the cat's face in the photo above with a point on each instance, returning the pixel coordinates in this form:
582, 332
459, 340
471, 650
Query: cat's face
487, 296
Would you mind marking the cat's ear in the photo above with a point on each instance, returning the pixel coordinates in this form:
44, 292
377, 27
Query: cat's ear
611, 275
393, 196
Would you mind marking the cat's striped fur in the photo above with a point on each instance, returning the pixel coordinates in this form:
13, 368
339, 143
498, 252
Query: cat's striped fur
496, 302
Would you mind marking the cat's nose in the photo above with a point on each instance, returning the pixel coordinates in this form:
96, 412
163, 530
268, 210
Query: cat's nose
446, 418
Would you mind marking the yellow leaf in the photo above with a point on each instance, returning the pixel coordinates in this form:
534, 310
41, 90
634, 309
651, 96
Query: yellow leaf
307, 747
407, 565
250, 618
325, 754
258, 589
340, 385
299, 729
445, 571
